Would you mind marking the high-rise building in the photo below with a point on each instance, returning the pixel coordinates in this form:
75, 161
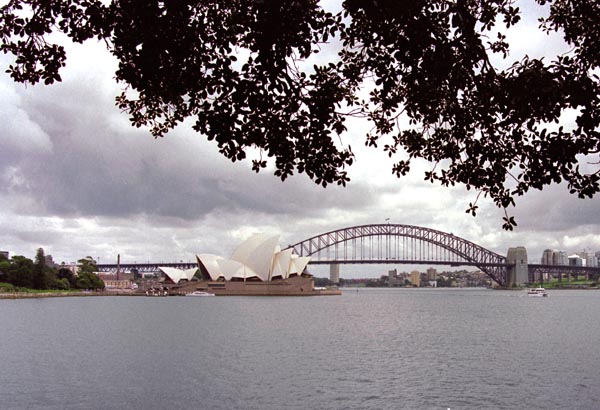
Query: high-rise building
548, 257
590, 259
415, 278
49, 261
431, 274
561, 258
394, 279
576, 260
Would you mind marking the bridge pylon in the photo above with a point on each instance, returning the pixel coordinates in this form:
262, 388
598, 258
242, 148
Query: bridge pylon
518, 273
334, 273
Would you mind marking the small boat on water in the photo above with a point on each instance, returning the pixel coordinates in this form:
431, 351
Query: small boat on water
538, 292
199, 293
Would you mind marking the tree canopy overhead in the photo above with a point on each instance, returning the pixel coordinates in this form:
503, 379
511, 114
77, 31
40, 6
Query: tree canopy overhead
242, 71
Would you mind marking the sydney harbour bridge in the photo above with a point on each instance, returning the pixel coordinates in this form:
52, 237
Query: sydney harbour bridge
404, 244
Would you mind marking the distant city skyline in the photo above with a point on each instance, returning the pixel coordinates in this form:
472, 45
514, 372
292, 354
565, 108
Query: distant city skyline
560, 257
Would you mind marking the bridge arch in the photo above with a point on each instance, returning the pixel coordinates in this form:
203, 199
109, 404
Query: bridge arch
425, 245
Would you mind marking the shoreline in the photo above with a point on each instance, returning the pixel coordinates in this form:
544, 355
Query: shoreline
40, 295
26, 295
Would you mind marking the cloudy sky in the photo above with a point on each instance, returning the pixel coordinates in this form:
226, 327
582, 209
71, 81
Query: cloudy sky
76, 179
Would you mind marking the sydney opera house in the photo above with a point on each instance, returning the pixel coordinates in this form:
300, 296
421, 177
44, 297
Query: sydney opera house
257, 267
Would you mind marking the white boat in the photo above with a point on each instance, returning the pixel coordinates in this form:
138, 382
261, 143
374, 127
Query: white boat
199, 293
538, 292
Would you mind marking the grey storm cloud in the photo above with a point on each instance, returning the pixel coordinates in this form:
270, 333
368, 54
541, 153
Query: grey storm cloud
99, 166
555, 210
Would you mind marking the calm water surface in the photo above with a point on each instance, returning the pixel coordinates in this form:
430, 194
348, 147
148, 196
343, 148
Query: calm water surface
366, 349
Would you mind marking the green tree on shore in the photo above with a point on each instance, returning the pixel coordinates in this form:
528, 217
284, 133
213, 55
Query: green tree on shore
39, 278
66, 277
22, 272
4, 267
87, 265
86, 275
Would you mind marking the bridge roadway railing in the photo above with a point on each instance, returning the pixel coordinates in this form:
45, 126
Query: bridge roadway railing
405, 262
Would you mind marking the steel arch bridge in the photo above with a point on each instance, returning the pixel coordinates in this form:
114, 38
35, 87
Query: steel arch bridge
407, 244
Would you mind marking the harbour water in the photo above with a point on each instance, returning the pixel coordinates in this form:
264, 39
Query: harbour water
366, 349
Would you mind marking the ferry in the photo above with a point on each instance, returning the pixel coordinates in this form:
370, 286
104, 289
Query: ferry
199, 293
538, 292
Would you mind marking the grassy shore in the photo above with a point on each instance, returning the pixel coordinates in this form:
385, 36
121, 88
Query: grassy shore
8, 291
566, 284
78, 293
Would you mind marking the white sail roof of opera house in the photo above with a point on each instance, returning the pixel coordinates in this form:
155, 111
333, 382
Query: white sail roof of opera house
246, 248
281, 263
234, 269
257, 253
211, 263
298, 264
176, 275
259, 256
